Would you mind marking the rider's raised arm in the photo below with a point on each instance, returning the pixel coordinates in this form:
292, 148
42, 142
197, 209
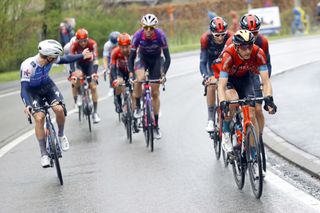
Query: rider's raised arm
68, 59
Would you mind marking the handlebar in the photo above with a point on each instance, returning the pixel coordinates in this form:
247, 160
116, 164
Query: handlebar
245, 101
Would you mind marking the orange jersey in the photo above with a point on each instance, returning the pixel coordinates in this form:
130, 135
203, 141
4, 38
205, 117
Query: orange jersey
91, 45
119, 60
235, 66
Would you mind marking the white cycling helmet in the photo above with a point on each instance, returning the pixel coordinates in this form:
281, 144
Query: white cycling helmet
50, 47
149, 20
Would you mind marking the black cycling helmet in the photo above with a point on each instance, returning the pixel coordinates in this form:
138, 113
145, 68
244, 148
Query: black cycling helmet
243, 37
218, 25
250, 22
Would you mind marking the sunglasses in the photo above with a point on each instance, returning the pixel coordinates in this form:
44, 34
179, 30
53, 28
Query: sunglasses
82, 40
219, 34
148, 28
246, 47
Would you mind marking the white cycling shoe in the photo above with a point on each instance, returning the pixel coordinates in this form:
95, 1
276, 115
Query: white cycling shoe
96, 118
226, 142
64, 143
210, 127
45, 161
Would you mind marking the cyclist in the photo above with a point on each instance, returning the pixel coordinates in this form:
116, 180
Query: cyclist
150, 41
212, 43
88, 67
240, 61
36, 85
252, 23
107, 49
119, 69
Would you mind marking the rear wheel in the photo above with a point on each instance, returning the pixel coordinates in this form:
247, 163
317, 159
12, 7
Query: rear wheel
254, 161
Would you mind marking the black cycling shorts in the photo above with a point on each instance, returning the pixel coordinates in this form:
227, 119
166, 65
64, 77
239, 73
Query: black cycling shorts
154, 64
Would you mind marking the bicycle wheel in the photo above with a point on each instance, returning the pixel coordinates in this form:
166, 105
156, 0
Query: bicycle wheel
150, 126
129, 128
53, 140
216, 135
263, 154
254, 161
89, 121
238, 166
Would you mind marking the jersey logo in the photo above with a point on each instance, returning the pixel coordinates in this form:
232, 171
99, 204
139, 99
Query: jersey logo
26, 73
57, 93
33, 64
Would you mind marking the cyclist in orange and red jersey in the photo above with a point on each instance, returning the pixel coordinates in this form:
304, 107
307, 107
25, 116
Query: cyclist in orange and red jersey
88, 67
252, 23
212, 43
119, 66
240, 61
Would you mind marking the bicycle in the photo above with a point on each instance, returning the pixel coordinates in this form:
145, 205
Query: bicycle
246, 152
148, 120
127, 115
86, 106
53, 143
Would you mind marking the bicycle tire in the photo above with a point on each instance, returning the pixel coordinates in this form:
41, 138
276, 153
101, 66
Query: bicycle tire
80, 110
216, 135
263, 154
253, 148
150, 126
130, 116
89, 121
53, 141
129, 129
237, 163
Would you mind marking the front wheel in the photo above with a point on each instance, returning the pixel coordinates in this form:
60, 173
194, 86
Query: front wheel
254, 161
54, 149
216, 134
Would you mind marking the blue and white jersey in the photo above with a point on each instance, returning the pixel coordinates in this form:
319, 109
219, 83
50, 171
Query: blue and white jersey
32, 72
107, 49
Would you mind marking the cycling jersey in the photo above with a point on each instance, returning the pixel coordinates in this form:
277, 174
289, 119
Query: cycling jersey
233, 65
34, 76
150, 51
107, 49
91, 45
210, 51
119, 63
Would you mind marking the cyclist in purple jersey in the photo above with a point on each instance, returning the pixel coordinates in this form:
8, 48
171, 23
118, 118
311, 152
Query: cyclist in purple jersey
36, 85
151, 42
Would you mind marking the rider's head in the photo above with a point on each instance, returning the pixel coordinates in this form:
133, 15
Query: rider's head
124, 41
243, 41
250, 22
50, 49
149, 22
82, 37
113, 37
218, 27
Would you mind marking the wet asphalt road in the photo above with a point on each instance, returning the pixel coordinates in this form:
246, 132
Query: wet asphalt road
103, 173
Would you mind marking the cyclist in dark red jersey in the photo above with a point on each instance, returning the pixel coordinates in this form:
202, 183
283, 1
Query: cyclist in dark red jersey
88, 67
212, 43
240, 61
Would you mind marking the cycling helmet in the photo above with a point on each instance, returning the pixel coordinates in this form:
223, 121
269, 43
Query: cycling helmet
50, 47
113, 37
250, 22
243, 37
218, 25
149, 20
124, 39
82, 33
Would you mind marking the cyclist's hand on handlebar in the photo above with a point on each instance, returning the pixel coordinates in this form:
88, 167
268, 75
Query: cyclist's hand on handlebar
28, 110
269, 105
163, 78
95, 76
224, 107
115, 83
87, 54
211, 80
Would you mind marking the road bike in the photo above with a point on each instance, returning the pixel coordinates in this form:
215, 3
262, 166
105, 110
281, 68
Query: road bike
127, 115
53, 143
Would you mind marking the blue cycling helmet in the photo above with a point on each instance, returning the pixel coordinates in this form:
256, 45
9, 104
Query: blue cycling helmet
113, 37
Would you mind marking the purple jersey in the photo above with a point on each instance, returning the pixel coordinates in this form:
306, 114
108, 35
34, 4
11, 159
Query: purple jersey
149, 46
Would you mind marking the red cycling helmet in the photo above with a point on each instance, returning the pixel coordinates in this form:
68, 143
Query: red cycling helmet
82, 33
250, 22
218, 25
124, 39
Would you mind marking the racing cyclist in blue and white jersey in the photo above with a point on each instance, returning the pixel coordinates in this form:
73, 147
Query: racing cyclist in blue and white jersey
151, 42
37, 85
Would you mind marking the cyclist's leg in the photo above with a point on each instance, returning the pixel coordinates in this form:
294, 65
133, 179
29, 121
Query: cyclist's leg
39, 117
154, 74
118, 91
258, 107
137, 89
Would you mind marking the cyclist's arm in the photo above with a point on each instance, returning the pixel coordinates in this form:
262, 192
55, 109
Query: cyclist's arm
267, 88
69, 59
133, 54
222, 83
24, 93
113, 71
167, 60
203, 63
